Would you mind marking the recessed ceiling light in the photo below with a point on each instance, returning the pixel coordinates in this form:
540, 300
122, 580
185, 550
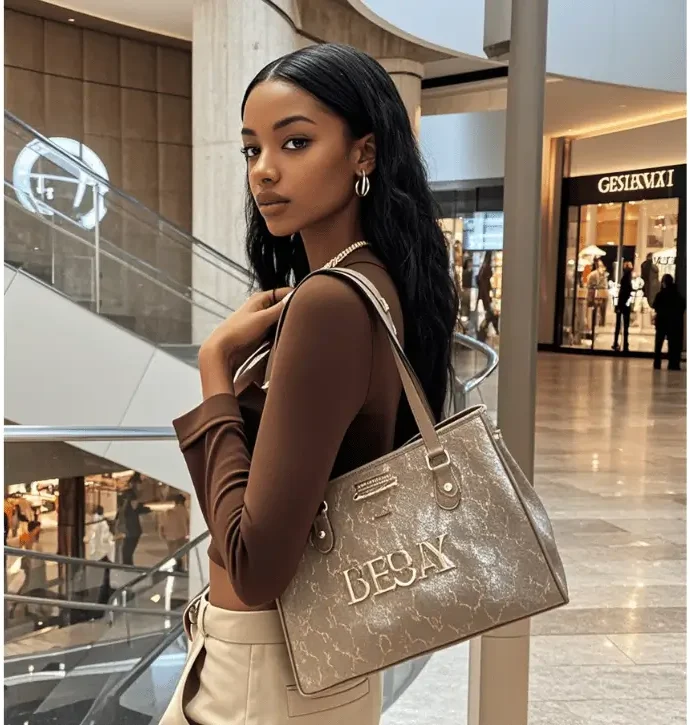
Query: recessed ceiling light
622, 105
70, 20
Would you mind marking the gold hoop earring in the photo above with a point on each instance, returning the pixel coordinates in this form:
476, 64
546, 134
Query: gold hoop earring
362, 185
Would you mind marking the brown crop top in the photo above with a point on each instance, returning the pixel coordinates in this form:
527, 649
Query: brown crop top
331, 406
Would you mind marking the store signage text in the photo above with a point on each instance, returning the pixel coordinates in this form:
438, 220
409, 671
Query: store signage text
636, 182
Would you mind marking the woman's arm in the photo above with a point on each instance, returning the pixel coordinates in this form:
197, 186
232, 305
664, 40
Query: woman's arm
260, 512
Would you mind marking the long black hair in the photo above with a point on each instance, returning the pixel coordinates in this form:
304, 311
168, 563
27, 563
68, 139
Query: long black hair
399, 216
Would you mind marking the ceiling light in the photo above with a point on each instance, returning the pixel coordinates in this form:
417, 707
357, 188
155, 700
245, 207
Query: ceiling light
70, 20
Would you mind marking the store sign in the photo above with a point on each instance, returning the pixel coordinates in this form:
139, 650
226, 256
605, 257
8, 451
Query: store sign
39, 168
662, 179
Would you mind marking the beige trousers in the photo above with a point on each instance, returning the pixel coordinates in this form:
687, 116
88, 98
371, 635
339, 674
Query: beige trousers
238, 673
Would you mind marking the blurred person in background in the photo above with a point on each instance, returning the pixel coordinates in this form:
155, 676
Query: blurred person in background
129, 525
175, 528
100, 546
624, 307
669, 310
34, 570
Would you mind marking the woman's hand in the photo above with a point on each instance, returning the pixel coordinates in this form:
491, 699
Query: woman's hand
235, 338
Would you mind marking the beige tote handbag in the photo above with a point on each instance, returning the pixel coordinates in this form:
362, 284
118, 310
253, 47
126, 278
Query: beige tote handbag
437, 542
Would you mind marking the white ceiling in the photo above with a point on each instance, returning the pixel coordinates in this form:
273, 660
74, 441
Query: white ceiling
572, 108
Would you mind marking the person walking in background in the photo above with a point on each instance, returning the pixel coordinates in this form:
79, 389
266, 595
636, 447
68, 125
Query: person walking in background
466, 293
130, 525
624, 307
33, 569
669, 308
100, 546
175, 528
484, 295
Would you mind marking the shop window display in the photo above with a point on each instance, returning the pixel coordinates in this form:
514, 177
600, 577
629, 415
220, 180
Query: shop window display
631, 244
620, 233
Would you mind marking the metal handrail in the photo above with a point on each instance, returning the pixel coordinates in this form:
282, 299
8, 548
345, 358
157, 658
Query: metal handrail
76, 561
118, 192
157, 568
73, 434
93, 606
491, 361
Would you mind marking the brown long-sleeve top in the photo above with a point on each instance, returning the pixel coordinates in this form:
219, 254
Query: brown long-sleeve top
331, 406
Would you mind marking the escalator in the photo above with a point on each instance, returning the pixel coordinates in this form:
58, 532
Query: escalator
111, 292
65, 667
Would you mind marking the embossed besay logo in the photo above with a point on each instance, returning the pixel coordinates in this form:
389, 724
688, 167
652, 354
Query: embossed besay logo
397, 569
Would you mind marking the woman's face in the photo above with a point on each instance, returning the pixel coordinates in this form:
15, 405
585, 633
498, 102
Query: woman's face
301, 163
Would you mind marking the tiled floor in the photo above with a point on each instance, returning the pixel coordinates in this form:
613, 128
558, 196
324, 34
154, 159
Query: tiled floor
611, 450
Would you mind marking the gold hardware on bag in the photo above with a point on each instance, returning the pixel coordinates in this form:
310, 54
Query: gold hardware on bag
444, 464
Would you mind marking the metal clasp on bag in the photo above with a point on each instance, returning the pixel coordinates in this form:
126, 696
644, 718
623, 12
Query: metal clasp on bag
322, 536
439, 466
447, 487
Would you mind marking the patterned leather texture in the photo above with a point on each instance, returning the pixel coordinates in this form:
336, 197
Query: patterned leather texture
405, 576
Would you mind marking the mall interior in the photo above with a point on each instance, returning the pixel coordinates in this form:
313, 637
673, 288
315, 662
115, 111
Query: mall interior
555, 142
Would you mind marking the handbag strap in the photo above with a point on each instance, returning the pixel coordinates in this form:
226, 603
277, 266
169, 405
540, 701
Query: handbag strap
447, 490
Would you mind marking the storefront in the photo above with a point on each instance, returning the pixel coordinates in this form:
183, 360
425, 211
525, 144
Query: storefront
632, 220
472, 220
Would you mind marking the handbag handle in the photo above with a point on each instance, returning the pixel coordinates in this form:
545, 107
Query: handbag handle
447, 490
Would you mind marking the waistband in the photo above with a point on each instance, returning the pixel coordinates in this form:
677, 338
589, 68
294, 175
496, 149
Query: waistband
236, 627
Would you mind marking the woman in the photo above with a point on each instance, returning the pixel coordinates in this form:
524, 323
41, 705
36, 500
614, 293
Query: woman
624, 307
334, 177
669, 308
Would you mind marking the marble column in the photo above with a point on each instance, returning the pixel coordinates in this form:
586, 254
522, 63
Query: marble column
232, 41
407, 76
554, 167
499, 661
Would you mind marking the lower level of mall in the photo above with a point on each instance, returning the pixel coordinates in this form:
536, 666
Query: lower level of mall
611, 468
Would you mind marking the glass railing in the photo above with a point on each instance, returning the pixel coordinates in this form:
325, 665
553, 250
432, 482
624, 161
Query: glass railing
54, 602
68, 226
89, 646
62, 685
36, 575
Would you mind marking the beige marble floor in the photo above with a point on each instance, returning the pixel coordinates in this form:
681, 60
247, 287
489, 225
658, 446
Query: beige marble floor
610, 466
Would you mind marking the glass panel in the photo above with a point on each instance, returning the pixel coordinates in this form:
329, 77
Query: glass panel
92, 655
649, 248
596, 265
66, 225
